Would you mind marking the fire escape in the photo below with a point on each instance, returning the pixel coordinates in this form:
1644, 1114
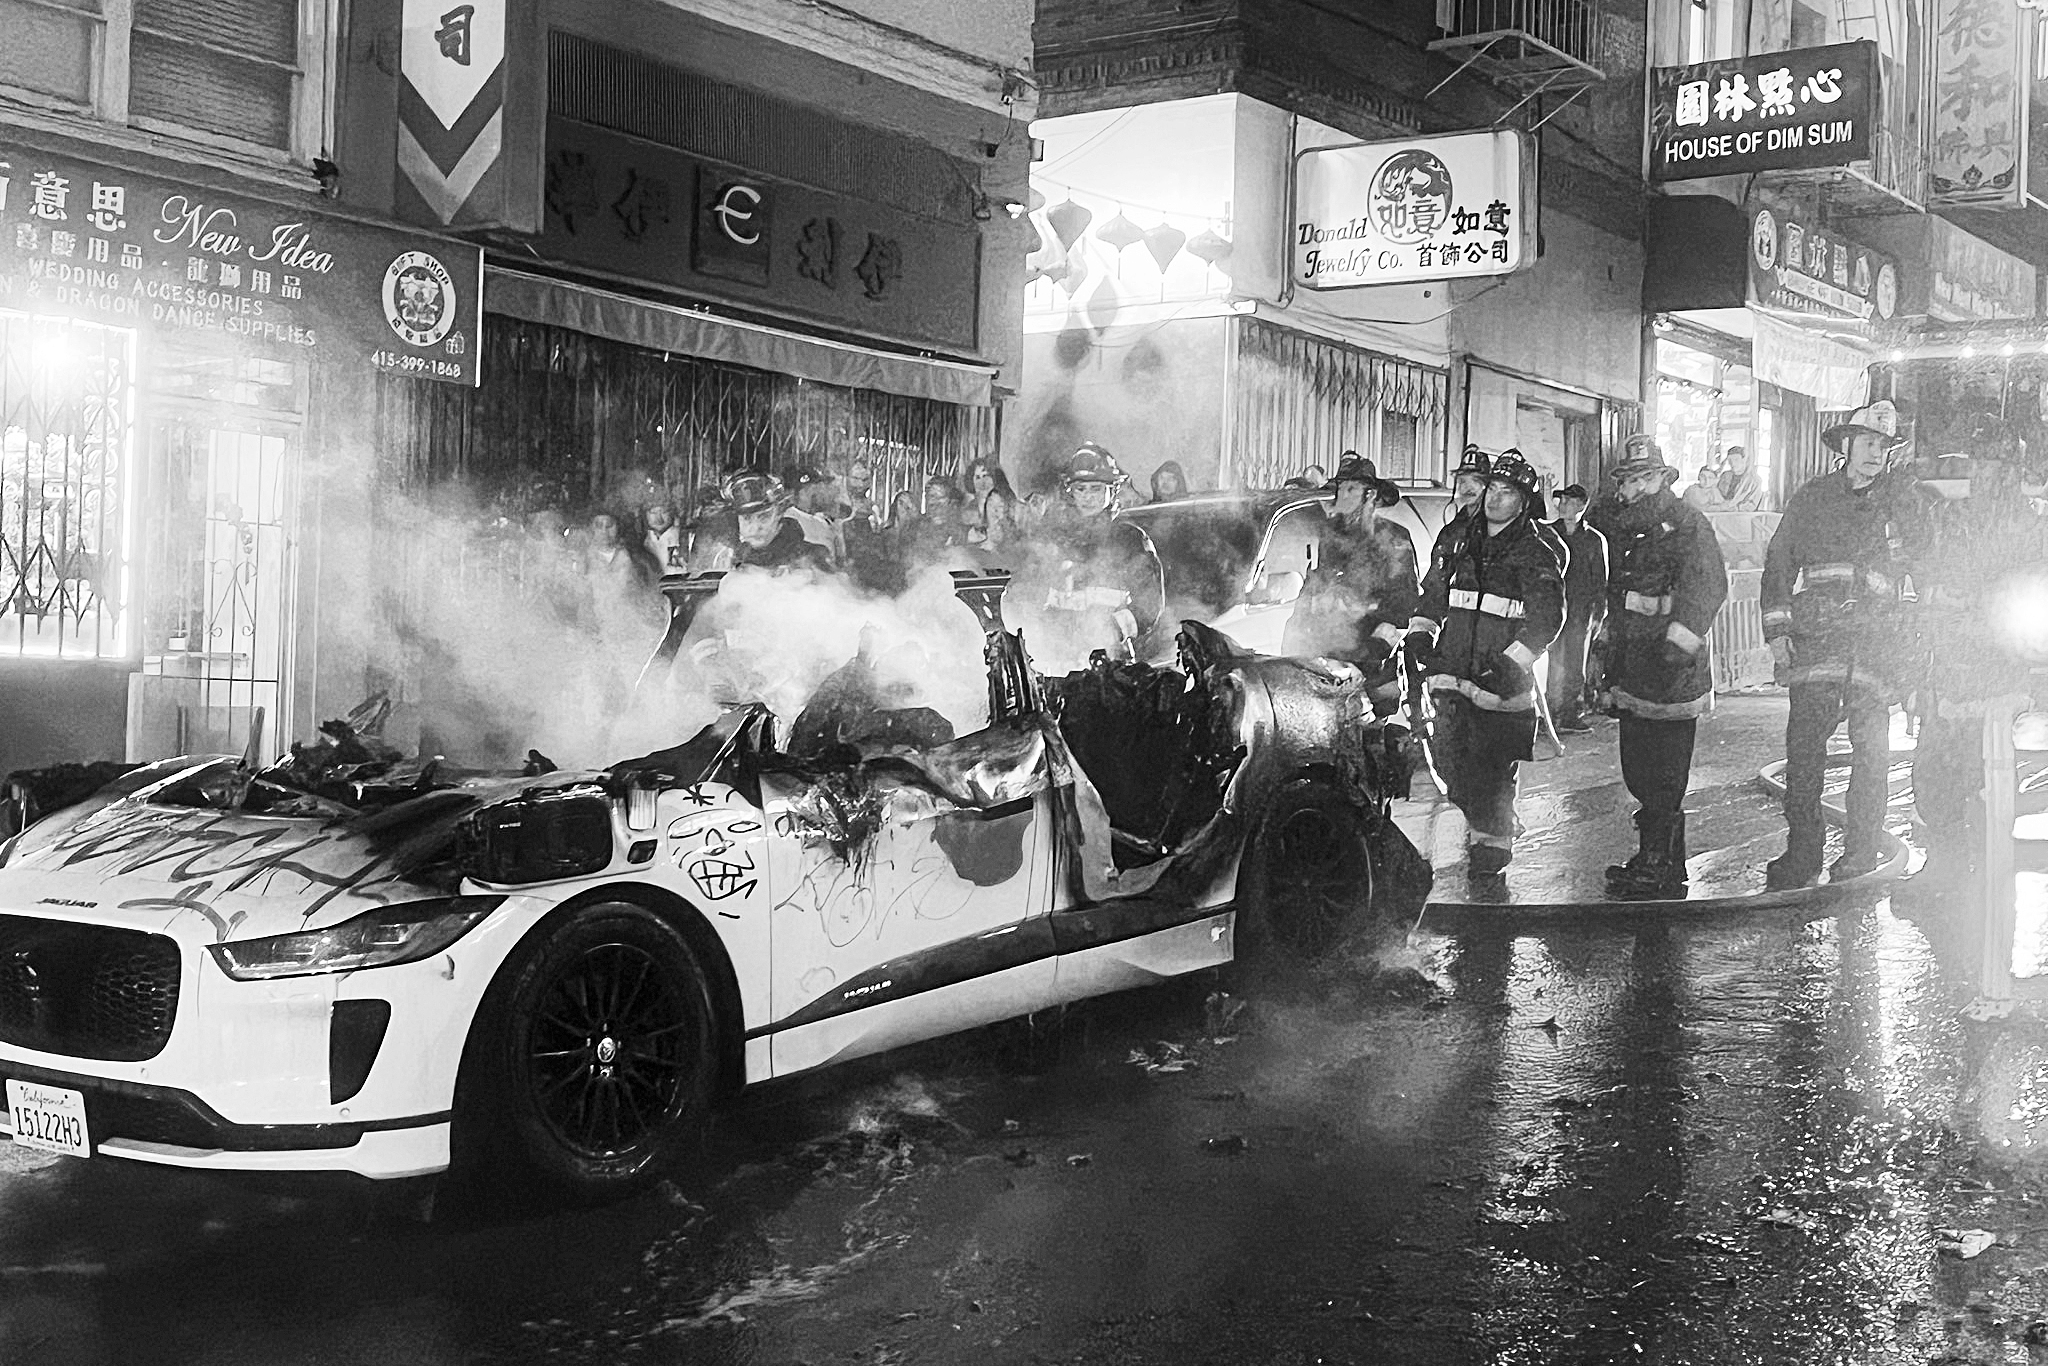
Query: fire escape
1534, 49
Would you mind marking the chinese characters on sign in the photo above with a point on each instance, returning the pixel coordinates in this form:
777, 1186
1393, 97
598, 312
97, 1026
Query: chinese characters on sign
1390, 212
1798, 268
1775, 111
655, 213
132, 251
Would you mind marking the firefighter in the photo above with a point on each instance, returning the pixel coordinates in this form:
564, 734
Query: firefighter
1493, 601
1835, 611
1978, 541
1108, 584
1363, 589
768, 537
1585, 607
1665, 587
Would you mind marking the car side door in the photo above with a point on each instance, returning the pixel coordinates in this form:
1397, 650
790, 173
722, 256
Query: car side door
909, 904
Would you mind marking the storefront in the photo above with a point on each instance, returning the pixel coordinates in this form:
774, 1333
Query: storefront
702, 298
173, 356
1161, 319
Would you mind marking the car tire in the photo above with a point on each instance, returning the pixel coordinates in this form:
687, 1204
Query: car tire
592, 1063
1306, 873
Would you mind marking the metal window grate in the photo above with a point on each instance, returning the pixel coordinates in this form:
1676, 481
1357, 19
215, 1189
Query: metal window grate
1302, 400
65, 467
570, 424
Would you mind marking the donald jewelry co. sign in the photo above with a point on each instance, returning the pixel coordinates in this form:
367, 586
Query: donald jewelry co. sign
119, 247
1776, 111
1383, 213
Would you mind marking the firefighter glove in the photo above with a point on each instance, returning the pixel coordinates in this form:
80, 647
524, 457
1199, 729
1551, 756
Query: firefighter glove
1781, 659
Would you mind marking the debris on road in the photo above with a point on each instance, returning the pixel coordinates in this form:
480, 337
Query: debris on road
1162, 1058
1219, 1012
1963, 1242
1790, 1218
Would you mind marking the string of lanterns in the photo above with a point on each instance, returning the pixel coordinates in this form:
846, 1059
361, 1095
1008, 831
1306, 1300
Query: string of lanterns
1061, 226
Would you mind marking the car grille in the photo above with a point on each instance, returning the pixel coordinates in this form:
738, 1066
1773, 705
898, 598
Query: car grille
86, 991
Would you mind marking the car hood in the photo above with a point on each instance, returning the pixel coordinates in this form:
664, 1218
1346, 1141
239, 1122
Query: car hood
224, 875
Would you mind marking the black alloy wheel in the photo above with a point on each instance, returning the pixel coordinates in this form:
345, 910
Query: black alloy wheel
607, 1050
1310, 872
592, 1061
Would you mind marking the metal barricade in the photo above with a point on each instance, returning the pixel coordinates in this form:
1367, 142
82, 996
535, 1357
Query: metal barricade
1741, 658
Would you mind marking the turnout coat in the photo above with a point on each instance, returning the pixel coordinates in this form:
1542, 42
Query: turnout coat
1838, 582
1666, 583
1494, 604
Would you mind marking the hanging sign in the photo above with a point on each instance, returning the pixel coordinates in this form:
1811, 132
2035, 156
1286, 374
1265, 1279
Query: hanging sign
468, 136
1443, 208
1796, 267
1978, 139
1813, 107
113, 246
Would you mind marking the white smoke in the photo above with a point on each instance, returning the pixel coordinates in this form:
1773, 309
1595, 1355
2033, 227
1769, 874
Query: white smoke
499, 634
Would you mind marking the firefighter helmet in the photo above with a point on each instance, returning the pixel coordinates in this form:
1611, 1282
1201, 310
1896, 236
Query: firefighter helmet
1092, 464
752, 491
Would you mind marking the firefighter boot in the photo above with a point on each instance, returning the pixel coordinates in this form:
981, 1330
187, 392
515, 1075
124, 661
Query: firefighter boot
1657, 871
1799, 865
1859, 857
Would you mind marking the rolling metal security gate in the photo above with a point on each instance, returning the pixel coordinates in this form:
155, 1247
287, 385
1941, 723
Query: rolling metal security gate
579, 424
1301, 401
66, 487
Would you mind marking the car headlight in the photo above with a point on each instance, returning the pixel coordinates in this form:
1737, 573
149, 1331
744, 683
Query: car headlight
403, 933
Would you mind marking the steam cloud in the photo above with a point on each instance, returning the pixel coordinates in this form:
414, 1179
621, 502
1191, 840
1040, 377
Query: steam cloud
496, 637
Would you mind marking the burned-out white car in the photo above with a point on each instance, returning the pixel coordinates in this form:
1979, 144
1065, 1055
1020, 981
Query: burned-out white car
351, 961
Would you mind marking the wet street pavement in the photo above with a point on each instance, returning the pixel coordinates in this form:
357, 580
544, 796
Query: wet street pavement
1732, 1139
1716, 1137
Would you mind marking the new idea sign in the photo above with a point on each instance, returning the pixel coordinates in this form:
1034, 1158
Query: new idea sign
1777, 111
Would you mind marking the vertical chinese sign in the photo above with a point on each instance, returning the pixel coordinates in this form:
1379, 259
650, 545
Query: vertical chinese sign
471, 106
1982, 51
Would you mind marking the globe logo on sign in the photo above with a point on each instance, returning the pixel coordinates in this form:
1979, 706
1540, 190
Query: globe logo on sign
1411, 196
419, 298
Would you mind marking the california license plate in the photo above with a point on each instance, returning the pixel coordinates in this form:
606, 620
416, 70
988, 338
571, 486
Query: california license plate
48, 1117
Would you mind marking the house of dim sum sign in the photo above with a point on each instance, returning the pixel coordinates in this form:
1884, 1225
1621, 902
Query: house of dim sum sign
1776, 111
114, 246
1441, 208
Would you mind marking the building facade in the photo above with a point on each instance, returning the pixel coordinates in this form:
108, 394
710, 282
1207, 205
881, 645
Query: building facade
1165, 312
306, 324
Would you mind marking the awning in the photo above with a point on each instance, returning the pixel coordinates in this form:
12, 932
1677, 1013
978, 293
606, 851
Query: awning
664, 327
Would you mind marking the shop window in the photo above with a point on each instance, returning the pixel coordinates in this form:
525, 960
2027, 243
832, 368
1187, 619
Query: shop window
240, 73
66, 487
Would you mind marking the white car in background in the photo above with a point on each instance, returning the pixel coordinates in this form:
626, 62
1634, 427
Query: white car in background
1236, 560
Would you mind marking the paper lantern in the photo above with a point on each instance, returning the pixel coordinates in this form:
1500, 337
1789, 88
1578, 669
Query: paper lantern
1036, 201
1102, 306
1209, 245
1069, 220
1119, 232
1165, 242
1076, 273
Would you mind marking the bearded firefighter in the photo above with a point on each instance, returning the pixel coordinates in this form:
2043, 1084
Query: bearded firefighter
1666, 583
1493, 601
1838, 613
